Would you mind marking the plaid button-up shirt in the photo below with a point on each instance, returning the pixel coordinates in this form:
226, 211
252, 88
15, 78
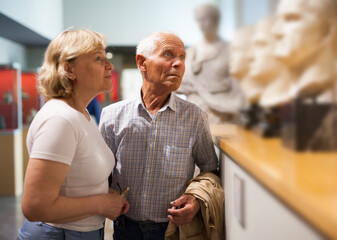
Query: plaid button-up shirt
156, 155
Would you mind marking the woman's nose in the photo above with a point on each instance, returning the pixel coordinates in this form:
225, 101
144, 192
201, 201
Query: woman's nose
109, 65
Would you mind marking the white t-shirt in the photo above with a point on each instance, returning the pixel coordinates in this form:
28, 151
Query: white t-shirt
62, 134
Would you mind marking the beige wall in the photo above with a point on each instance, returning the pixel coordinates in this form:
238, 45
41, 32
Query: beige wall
11, 177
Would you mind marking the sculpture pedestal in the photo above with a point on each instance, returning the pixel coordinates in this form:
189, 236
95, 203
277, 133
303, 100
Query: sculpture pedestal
249, 116
309, 126
269, 124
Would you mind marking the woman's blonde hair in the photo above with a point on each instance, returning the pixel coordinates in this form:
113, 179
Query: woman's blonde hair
66, 47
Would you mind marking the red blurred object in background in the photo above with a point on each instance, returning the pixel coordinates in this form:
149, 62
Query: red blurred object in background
8, 99
113, 95
31, 99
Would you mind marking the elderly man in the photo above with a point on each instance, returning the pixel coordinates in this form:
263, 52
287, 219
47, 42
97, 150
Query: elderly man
157, 139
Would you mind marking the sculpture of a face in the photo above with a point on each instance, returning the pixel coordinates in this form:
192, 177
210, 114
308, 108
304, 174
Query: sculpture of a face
300, 30
263, 64
207, 16
238, 56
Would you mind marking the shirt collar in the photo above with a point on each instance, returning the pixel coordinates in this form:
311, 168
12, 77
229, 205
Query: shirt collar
171, 102
139, 101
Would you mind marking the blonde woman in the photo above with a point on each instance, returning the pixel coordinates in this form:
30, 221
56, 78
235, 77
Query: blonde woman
66, 192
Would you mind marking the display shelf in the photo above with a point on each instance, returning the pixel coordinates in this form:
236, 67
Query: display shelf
305, 182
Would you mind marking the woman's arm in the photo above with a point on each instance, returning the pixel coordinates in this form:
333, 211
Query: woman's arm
41, 200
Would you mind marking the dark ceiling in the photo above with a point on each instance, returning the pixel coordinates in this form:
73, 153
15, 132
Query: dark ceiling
16, 32
12, 30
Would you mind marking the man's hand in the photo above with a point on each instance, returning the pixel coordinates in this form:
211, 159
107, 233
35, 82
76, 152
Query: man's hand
183, 209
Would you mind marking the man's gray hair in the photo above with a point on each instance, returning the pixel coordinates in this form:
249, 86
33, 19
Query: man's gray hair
149, 44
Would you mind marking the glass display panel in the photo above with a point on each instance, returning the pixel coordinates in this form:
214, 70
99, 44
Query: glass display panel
9, 84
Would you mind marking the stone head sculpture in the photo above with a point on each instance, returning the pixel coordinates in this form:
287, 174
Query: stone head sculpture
306, 42
238, 54
207, 17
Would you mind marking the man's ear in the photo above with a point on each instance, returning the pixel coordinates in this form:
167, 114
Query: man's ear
141, 62
68, 68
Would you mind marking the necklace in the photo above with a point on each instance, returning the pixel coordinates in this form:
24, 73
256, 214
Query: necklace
73, 105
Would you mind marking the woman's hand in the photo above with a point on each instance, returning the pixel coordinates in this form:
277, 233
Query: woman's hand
41, 200
114, 205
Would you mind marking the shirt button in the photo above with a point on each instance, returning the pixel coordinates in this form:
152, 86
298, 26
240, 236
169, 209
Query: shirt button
150, 145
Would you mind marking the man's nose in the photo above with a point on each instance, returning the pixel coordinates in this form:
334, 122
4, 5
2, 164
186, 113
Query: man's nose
178, 62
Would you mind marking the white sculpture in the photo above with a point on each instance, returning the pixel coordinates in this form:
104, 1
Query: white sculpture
306, 44
206, 81
269, 75
239, 62
239, 49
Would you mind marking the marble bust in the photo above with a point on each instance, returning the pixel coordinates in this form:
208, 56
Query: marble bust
306, 43
270, 76
306, 37
239, 61
207, 82
239, 53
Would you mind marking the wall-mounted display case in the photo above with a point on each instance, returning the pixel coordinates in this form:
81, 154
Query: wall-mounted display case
11, 170
10, 97
31, 99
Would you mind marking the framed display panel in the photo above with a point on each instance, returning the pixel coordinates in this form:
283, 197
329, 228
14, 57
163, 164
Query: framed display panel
31, 99
10, 97
11, 161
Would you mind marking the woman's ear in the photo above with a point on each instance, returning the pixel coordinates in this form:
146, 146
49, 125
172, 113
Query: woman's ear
70, 73
141, 62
